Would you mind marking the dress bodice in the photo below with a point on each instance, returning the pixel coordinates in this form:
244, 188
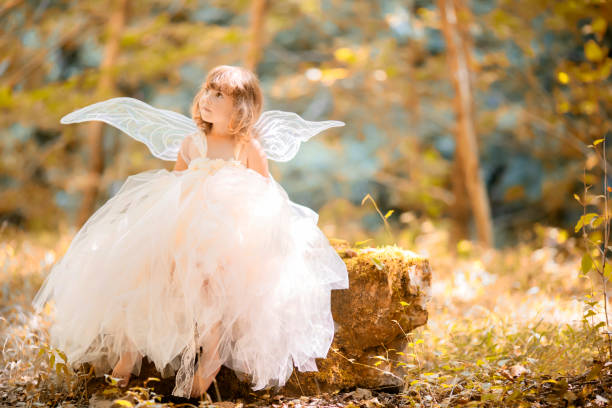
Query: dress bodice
194, 152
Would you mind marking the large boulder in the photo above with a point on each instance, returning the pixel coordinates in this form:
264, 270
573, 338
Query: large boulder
389, 288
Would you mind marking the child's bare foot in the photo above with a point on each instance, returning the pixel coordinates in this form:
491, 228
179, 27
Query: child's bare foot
123, 369
200, 384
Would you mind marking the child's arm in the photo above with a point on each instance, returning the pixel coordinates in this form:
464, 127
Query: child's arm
181, 164
257, 159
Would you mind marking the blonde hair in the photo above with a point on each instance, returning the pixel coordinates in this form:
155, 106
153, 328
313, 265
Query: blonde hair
243, 86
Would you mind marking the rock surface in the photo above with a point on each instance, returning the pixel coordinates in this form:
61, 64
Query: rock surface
389, 288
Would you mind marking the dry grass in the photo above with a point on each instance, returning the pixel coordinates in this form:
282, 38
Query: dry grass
501, 322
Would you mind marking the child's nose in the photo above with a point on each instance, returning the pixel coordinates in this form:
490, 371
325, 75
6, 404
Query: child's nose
206, 99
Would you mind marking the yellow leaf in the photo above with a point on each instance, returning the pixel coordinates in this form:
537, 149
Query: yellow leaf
464, 246
332, 74
388, 214
608, 271
310, 7
598, 141
563, 78
599, 25
123, 403
109, 379
586, 264
605, 69
563, 107
592, 51
345, 55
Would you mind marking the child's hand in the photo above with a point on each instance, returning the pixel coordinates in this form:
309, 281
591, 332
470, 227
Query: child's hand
180, 164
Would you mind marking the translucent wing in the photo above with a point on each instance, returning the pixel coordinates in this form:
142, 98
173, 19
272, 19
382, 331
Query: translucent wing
161, 130
281, 133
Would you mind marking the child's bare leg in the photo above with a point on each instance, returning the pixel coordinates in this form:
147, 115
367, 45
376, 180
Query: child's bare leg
201, 384
123, 368
210, 353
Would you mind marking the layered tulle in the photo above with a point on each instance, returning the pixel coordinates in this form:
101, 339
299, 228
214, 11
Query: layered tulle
216, 255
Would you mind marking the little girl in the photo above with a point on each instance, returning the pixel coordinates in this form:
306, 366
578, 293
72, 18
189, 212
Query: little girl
211, 258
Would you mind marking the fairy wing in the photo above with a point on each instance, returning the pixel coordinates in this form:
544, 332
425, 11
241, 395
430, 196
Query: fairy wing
281, 133
161, 130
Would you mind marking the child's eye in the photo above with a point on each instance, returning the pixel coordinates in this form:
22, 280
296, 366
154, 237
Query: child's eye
219, 94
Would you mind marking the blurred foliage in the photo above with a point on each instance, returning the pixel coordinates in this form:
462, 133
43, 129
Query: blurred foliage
540, 75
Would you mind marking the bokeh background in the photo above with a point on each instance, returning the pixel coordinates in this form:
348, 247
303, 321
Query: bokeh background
536, 73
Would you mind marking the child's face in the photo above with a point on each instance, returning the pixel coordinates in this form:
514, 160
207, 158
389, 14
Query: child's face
215, 107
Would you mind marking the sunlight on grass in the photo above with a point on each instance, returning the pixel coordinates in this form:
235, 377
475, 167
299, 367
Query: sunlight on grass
491, 313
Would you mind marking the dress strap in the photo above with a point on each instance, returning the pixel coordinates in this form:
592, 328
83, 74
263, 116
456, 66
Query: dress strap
238, 150
199, 141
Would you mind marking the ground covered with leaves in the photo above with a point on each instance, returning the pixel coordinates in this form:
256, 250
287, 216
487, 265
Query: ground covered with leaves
510, 327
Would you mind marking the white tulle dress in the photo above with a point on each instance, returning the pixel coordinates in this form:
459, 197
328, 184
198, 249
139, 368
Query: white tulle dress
175, 256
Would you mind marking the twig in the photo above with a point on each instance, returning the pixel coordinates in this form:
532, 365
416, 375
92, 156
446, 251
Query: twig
387, 227
606, 239
369, 366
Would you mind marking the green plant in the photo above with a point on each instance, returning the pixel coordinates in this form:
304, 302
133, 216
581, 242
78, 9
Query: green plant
595, 229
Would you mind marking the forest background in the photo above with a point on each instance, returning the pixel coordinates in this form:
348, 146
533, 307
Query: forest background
475, 136
536, 101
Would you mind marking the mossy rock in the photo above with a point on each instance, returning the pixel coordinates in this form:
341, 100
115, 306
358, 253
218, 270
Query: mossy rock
389, 288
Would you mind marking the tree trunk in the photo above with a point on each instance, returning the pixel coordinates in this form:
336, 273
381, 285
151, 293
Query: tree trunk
465, 135
258, 12
105, 88
460, 209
